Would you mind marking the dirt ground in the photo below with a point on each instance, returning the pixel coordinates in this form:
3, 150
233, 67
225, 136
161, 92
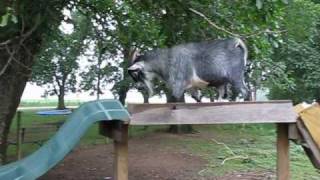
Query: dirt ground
150, 158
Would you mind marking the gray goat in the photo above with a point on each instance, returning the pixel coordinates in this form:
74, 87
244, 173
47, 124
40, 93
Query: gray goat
194, 65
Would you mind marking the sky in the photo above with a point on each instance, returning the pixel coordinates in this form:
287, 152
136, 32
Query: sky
34, 92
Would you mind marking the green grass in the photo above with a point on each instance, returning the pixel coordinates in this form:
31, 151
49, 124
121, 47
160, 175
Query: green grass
255, 142
29, 119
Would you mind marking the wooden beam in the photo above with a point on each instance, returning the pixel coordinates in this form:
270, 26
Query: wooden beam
121, 154
294, 133
283, 170
311, 120
138, 107
311, 147
212, 113
112, 130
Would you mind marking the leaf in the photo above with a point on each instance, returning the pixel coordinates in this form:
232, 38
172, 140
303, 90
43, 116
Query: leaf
4, 20
14, 19
259, 4
285, 1
275, 44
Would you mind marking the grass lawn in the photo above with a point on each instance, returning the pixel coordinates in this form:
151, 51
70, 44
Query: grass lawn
252, 147
242, 147
41, 103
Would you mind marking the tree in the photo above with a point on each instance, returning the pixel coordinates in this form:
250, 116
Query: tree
301, 53
57, 64
100, 73
20, 39
122, 22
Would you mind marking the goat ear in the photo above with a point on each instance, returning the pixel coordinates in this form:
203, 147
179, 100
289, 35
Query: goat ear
135, 54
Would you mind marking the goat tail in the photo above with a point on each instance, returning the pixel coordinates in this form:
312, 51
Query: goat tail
242, 45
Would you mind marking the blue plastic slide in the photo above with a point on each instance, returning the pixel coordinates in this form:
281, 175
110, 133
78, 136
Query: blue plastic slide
53, 151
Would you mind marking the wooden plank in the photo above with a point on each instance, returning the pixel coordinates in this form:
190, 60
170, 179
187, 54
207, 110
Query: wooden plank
121, 154
301, 107
294, 133
313, 159
313, 151
111, 129
212, 113
311, 119
283, 171
138, 107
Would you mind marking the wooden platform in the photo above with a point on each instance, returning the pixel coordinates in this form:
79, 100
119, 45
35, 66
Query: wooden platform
212, 113
309, 127
280, 113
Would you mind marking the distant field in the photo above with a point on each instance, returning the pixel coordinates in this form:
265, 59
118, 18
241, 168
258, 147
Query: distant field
42, 103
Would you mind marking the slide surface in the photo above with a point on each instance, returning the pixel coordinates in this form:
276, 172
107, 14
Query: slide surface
53, 151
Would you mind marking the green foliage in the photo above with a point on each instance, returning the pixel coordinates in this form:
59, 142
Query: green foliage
125, 27
301, 55
18, 17
261, 24
57, 64
99, 73
7, 17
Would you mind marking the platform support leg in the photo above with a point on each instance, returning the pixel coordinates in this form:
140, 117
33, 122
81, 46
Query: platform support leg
121, 154
283, 171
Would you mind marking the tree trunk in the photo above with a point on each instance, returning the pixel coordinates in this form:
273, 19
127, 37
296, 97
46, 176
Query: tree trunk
99, 73
145, 96
253, 94
11, 90
125, 86
123, 95
212, 98
61, 104
12, 84
98, 85
145, 99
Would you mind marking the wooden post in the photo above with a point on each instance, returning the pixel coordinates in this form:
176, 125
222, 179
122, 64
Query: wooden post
18, 140
283, 171
121, 153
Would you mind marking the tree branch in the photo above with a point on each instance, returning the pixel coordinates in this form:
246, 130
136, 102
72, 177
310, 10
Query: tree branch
10, 59
34, 27
262, 32
227, 147
212, 23
234, 156
23, 36
234, 34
